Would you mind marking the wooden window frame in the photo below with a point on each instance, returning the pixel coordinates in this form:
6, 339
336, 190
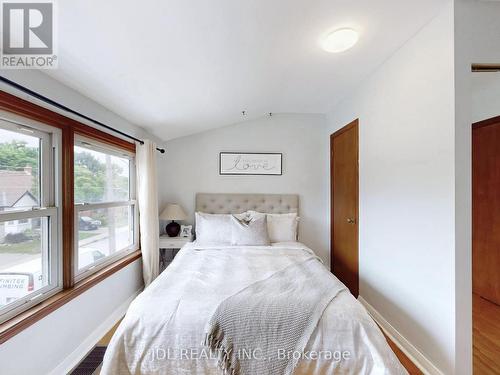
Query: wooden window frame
69, 127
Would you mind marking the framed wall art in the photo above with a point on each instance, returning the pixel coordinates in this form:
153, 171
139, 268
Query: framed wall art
250, 163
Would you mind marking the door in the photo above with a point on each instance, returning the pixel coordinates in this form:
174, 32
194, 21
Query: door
486, 209
344, 205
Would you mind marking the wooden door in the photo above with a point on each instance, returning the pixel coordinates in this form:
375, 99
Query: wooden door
344, 205
486, 209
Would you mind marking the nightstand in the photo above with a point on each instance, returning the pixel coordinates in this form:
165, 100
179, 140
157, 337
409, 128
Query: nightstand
169, 247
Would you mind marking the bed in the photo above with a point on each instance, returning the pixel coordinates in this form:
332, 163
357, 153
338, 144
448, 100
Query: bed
164, 329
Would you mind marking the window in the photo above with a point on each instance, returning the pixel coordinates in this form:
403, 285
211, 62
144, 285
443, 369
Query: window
29, 242
105, 206
68, 215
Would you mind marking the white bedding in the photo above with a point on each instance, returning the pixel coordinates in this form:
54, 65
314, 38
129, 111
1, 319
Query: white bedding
164, 327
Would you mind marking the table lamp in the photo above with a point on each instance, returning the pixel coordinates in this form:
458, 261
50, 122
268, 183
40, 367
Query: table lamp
173, 212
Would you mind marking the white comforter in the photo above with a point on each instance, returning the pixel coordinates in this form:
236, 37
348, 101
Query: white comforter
164, 327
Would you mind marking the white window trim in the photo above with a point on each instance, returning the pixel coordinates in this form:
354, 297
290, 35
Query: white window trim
82, 273
50, 207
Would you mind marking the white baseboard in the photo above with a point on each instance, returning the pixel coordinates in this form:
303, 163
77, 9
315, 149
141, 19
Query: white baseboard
421, 361
71, 361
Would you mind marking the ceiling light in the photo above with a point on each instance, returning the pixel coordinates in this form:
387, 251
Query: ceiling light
340, 40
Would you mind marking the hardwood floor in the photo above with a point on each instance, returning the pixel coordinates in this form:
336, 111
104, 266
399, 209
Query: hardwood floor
486, 336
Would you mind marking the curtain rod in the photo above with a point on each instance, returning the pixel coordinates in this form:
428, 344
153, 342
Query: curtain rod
67, 109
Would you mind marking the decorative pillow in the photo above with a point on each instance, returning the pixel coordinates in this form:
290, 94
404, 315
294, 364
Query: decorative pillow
213, 229
280, 227
246, 216
249, 233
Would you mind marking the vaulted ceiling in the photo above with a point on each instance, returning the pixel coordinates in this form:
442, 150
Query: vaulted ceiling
177, 67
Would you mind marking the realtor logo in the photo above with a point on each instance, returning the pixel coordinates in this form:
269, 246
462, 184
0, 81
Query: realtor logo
28, 35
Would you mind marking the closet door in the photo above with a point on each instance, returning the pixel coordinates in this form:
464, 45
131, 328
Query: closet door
486, 209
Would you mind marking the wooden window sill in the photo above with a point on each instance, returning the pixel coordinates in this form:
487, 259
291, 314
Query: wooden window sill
13, 326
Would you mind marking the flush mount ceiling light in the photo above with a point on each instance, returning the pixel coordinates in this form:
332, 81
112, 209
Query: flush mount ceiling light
340, 40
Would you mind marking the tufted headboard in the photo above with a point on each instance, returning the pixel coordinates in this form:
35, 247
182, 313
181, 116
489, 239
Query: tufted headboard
220, 203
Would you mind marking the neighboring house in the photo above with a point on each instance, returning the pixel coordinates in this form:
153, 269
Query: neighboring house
15, 192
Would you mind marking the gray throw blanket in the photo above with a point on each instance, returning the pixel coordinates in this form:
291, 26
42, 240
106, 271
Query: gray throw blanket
264, 328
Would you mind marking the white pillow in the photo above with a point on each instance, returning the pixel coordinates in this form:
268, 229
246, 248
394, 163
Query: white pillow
213, 229
280, 227
249, 233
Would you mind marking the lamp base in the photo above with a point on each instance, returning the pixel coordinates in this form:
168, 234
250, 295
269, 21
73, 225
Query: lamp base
173, 229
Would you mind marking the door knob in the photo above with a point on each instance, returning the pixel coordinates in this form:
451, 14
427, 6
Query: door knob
351, 220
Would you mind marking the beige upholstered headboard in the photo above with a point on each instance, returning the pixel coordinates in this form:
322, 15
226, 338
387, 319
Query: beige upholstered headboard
220, 203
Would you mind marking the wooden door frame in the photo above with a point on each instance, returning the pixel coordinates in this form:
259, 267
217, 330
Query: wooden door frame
351, 125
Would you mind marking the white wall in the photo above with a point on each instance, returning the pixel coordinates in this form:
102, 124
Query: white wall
191, 166
43, 346
485, 96
407, 207
477, 40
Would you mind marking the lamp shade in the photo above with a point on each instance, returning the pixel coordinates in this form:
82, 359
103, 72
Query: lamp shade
173, 212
